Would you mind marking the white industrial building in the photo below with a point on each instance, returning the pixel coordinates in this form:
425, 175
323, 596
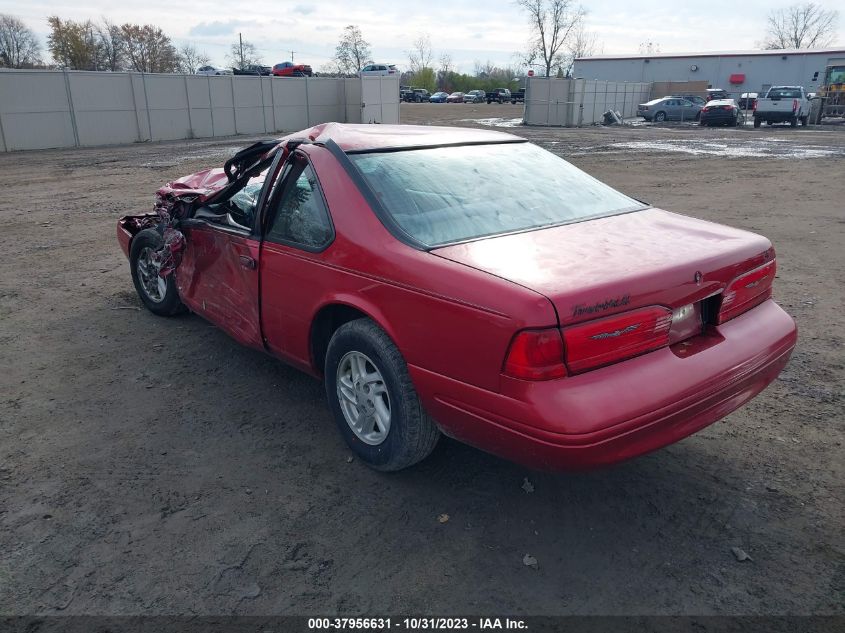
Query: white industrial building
734, 71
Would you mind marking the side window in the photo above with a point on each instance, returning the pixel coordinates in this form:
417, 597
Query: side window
367, 68
301, 216
242, 205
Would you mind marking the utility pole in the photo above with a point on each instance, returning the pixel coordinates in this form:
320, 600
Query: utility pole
291, 56
241, 40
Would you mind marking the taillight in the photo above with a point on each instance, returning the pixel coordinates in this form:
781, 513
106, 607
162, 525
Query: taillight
536, 355
794, 105
727, 107
616, 338
754, 107
746, 291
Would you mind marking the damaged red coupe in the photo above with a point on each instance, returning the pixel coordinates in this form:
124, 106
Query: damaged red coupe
467, 282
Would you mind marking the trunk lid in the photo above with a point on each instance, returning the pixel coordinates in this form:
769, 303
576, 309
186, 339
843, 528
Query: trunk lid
608, 265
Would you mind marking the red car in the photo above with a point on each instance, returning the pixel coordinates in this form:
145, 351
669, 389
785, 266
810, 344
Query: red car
289, 69
467, 282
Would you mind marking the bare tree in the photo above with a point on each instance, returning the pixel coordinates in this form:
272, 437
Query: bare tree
19, 47
148, 49
352, 52
110, 46
243, 54
420, 55
446, 68
552, 23
805, 25
190, 59
581, 44
483, 70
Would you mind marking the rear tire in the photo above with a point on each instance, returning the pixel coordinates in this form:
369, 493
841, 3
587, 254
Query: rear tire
659, 117
376, 407
756, 121
159, 295
793, 122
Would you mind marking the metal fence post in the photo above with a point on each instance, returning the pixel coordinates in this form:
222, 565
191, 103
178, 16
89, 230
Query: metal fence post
135, 105
210, 106
2, 134
624, 97
147, 105
188, 103
234, 107
263, 112
308, 104
71, 111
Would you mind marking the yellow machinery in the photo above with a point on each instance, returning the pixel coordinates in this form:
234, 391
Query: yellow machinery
832, 93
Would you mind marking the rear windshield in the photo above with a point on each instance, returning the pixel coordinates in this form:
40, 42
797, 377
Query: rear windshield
452, 194
784, 93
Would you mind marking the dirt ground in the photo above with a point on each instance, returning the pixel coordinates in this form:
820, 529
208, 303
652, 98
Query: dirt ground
153, 466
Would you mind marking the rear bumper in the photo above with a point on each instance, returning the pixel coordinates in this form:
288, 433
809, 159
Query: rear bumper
775, 117
718, 117
621, 411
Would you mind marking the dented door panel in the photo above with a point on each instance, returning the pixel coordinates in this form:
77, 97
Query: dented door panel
218, 279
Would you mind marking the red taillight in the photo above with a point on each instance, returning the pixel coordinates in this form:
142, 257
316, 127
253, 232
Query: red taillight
794, 105
616, 338
754, 107
536, 355
746, 291
727, 107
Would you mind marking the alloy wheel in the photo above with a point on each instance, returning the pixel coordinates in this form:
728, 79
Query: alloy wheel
363, 398
153, 285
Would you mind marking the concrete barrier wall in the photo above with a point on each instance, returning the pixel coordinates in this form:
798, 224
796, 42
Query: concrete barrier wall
46, 109
575, 102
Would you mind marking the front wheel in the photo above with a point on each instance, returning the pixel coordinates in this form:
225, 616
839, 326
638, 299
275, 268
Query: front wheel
158, 293
373, 400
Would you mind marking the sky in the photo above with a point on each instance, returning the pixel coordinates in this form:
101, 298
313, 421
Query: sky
468, 30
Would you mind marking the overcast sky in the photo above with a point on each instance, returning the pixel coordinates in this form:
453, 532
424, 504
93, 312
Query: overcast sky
468, 29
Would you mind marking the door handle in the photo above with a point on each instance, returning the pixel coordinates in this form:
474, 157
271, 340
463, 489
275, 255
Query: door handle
247, 261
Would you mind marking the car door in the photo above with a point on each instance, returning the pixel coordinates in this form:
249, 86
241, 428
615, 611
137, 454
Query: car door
297, 231
218, 274
687, 110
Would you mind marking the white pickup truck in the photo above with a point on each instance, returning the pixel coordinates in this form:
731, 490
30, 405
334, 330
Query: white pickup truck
782, 104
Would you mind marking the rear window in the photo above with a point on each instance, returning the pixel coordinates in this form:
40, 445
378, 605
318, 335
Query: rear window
453, 194
784, 93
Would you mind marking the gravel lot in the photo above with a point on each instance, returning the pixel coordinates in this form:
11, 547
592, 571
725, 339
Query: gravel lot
153, 466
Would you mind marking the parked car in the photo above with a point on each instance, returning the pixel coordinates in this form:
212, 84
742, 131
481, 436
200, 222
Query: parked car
716, 93
439, 97
427, 310
455, 97
253, 70
373, 70
417, 95
213, 71
720, 112
499, 95
518, 96
747, 100
475, 96
697, 100
289, 69
403, 92
782, 104
669, 109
